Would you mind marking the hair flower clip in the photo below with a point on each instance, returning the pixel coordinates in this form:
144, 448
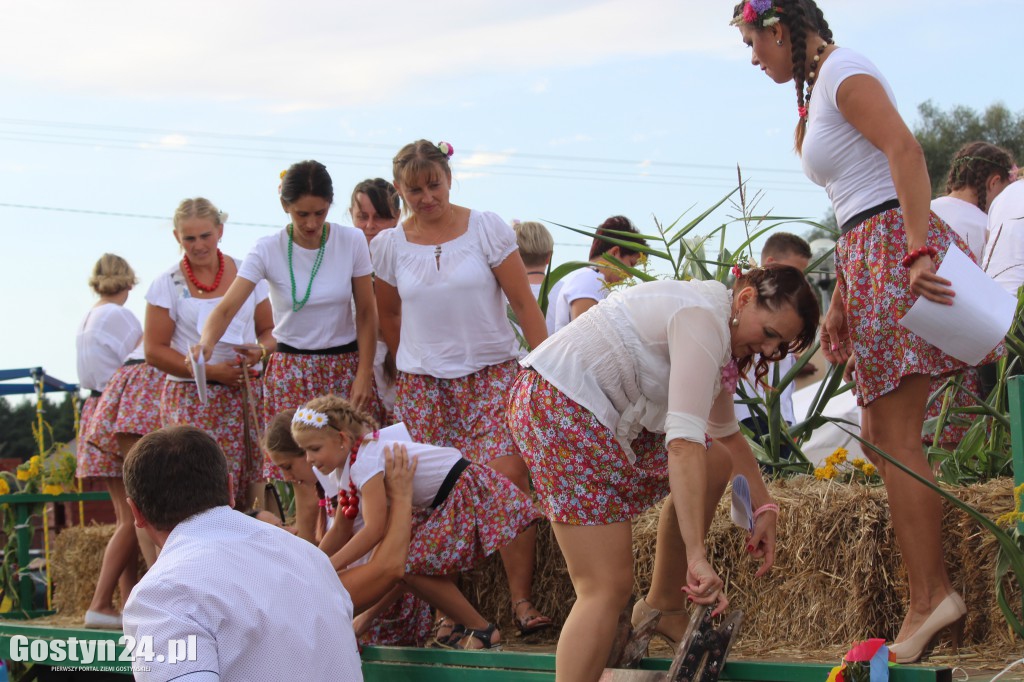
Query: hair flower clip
446, 149
759, 13
741, 264
309, 417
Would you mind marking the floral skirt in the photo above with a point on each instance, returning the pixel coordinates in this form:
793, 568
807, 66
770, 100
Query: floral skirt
581, 475
467, 413
224, 418
407, 622
130, 404
483, 512
92, 461
292, 380
876, 290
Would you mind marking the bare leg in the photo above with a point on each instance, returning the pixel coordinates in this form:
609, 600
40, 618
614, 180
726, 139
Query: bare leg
443, 594
362, 622
122, 549
669, 576
306, 508
519, 556
894, 425
150, 552
600, 563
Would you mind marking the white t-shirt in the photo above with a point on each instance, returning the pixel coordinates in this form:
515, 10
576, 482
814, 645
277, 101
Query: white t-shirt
549, 316
583, 283
648, 357
105, 337
326, 320
432, 467
1004, 249
454, 321
752, 388
854, 172
966, 219
170, 291
261, 603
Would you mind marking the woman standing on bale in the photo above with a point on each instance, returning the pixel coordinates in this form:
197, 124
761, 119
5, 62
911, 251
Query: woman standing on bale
315, 271
180, 300
442, 278
106, 338
613, 414
853, 142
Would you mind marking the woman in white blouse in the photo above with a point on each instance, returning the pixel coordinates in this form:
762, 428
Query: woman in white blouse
179, 302
442, 277
106, 337
325, 318
615, 412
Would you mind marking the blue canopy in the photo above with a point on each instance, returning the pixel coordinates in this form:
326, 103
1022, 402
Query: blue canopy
36, 374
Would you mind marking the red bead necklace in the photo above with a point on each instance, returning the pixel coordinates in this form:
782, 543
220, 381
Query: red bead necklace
195, 282
349, 503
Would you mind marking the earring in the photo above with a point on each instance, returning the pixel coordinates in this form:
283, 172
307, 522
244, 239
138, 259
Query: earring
735, 321
779, 42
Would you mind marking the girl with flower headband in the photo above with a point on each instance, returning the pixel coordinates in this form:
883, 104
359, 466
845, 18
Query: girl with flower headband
442, 279
613, 414
465, 511
853, 142
322, 343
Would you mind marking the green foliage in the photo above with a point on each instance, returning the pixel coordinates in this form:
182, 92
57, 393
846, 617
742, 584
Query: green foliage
941, 133
16, 423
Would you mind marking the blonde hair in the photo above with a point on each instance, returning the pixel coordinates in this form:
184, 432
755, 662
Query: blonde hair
535, 243
112, 275
418, 159
341, 416
198, 208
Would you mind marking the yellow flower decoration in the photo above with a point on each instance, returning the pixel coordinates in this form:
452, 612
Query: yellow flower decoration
52, 489
869, 470
23, 475
5, 489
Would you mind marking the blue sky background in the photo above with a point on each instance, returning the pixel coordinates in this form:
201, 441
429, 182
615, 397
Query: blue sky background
567, 112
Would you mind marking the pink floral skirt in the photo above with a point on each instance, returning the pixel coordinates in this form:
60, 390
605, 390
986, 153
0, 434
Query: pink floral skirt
93, 462
483, 512
291, 380
579, 471
223, 417
467, 413
130, 404
407, 622
876, 290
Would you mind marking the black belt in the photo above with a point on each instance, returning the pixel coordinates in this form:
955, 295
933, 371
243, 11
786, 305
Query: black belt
95, 394
449, 482
129, 363
870, 213
333, 350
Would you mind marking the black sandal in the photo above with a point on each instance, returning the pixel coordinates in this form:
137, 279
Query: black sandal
528, 625
448, 641
483, 636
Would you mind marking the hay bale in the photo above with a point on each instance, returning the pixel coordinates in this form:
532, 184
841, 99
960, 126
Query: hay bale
75, 567
838, 576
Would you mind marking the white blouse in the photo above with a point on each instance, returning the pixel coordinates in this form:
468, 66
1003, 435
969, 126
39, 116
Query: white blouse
648, 357
966, 219
105, 338
326, 320
170, 291
584, 283
454, 321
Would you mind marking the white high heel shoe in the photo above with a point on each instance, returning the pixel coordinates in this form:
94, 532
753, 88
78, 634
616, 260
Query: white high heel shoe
950, 613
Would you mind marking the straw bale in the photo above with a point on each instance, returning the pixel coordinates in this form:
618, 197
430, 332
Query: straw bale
75, 567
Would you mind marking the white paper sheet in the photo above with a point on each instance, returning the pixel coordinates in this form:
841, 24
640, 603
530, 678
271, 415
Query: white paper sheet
979, 318
199, 372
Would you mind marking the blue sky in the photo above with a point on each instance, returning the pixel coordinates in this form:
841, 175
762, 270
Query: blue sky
567, 112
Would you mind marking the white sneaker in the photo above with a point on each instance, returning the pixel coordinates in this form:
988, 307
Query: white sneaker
102, 621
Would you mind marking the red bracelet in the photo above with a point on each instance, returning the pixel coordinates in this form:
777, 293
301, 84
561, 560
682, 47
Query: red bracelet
909, 259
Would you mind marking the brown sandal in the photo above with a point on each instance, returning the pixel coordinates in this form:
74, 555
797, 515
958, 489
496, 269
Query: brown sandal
529, 624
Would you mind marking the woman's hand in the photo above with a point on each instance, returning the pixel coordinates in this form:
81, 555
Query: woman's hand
924, 282
836, 344
761, 543
704, 586
361, 395
207, 351
398, 472
228, 373
850, 373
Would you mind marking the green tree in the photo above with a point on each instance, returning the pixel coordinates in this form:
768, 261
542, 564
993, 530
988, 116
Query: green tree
941, 133
16, 422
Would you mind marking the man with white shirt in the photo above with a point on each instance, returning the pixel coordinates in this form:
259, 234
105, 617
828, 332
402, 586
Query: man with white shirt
1004, 244
786, 249
230, 598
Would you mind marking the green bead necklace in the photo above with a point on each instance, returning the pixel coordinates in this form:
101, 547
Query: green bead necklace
298, 305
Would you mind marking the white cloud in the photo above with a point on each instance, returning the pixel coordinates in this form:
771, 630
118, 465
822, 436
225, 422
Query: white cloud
323, 54
484, 159
173, 141
541, 86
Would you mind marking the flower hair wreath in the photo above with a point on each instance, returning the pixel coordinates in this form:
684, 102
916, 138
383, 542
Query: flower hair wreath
309, 417
446, 148
759, 13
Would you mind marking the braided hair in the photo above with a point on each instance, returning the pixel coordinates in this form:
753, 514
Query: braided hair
972, 166
342, 416
777, 286
801, 17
